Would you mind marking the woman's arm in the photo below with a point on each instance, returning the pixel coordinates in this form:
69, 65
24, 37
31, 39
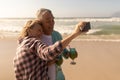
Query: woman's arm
74, 34
50, 52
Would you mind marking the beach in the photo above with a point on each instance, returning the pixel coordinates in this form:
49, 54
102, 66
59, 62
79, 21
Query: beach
7, 52
97, 60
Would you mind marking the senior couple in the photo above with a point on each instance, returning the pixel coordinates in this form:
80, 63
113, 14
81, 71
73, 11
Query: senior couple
38, 47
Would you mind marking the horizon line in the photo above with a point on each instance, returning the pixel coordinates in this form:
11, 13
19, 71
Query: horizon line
55, 17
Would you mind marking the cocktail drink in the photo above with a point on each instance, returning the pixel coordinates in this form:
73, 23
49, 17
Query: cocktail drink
59, 60
73, 54
65, 53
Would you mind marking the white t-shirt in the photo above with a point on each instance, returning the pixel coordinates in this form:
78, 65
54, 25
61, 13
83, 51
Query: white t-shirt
52, 68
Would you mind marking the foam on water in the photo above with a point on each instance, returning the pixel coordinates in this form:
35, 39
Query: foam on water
65, 25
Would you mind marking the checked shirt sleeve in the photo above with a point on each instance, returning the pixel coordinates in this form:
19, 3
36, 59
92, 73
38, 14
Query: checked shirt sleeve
48, 52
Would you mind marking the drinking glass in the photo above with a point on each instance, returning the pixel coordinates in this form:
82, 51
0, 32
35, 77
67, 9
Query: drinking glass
59, 60
73, 54
65, 53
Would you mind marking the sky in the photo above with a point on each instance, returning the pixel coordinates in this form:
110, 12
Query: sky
60, 8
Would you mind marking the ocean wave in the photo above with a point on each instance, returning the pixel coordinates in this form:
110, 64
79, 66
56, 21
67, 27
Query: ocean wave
92, 31
99, 26
90, 19
11, 28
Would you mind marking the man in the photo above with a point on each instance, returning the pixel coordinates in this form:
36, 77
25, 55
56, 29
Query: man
50, 36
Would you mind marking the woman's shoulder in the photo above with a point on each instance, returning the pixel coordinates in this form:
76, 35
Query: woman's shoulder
28, 39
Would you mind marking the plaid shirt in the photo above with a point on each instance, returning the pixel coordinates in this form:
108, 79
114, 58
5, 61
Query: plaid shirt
32, 56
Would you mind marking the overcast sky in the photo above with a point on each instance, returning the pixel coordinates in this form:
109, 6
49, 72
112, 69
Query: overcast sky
60, 8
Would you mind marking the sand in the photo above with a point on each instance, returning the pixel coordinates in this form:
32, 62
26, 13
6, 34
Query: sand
7, 52
97, 60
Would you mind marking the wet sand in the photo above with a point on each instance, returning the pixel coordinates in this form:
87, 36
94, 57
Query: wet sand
7, 52
97, 60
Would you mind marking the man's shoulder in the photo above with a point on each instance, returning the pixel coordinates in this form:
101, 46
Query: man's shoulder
56, 32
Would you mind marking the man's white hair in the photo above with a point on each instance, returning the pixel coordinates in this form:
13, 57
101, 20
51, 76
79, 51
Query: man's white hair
41, 12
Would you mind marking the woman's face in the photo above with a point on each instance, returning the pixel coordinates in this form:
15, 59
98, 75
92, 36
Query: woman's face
36, 30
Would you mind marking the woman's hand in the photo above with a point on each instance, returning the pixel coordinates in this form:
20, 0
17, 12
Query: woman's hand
79, 27
75, 33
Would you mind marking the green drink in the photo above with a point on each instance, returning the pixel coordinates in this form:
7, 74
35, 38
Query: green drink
65, 53
73, 55
59, 60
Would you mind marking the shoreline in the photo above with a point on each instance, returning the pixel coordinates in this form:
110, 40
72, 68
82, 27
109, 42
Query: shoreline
83, 37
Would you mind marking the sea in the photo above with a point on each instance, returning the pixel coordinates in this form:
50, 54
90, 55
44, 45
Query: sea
100, 26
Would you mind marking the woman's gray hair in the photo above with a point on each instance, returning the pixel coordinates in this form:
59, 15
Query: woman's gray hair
41, 12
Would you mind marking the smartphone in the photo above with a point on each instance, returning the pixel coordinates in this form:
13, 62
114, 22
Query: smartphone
87, 27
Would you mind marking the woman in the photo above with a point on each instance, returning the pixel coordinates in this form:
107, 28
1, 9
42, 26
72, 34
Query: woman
32, 56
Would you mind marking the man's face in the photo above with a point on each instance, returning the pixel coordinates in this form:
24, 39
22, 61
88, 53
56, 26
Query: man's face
48, 23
